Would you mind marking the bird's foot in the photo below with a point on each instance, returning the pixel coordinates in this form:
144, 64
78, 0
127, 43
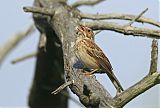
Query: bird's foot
90, 73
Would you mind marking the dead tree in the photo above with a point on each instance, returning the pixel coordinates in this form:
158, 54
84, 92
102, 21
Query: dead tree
56, 22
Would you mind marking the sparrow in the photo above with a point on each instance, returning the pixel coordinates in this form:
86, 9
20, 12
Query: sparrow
92, 57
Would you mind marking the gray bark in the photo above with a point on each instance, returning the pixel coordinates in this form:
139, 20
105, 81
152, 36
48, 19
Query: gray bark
59, 60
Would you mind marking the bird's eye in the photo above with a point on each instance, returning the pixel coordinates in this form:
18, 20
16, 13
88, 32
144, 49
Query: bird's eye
89, 30
82, 28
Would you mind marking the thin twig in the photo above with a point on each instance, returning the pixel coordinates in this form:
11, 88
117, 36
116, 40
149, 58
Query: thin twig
33, 54
62, 87
13, 42
96, 32
136, 18
111, 16
86, 2
44, 11
127, 30
154, 57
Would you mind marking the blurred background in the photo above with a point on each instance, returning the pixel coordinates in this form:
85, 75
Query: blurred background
129, 56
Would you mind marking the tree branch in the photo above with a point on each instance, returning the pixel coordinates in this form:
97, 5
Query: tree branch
13, 42
87, 88
27, 56
154, 57
97, 32
45, 11
137, 89
137, 17
146, 83
61, 29
85, 2
59, 89
126, 30
118, 16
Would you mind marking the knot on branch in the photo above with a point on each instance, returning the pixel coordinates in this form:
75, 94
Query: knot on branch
94, 99
127, 29
84, 100
89, 98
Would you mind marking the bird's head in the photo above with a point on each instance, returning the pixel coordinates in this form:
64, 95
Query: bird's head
85, 32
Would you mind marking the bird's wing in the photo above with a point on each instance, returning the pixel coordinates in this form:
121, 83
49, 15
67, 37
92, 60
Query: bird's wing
94, 51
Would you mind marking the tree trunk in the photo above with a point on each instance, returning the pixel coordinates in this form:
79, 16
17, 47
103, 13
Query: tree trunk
49, 72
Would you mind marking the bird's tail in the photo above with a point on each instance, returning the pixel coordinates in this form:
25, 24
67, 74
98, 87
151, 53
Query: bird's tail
115, 81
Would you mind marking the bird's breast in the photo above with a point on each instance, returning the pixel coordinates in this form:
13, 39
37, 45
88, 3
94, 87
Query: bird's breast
83, 56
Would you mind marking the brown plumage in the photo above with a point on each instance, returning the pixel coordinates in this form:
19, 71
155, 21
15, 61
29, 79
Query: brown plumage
92, 56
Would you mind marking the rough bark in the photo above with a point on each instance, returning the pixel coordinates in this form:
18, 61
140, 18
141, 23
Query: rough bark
59, 58
60, 29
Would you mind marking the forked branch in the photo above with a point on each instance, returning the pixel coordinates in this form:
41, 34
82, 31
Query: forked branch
111, 16
126, 30
137, 89
146, 83
90, 92
104, 25
13, 42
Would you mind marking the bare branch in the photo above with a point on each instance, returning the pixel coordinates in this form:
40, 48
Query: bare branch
59, 58
86, 2
137, 17
90, 92
127, 30
13, 42
62, 87
96, 32
137, 89
33, 54
146, 83
118, 16
45, 11
154, 57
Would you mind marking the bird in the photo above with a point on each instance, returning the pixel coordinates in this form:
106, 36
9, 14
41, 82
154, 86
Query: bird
92, 57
